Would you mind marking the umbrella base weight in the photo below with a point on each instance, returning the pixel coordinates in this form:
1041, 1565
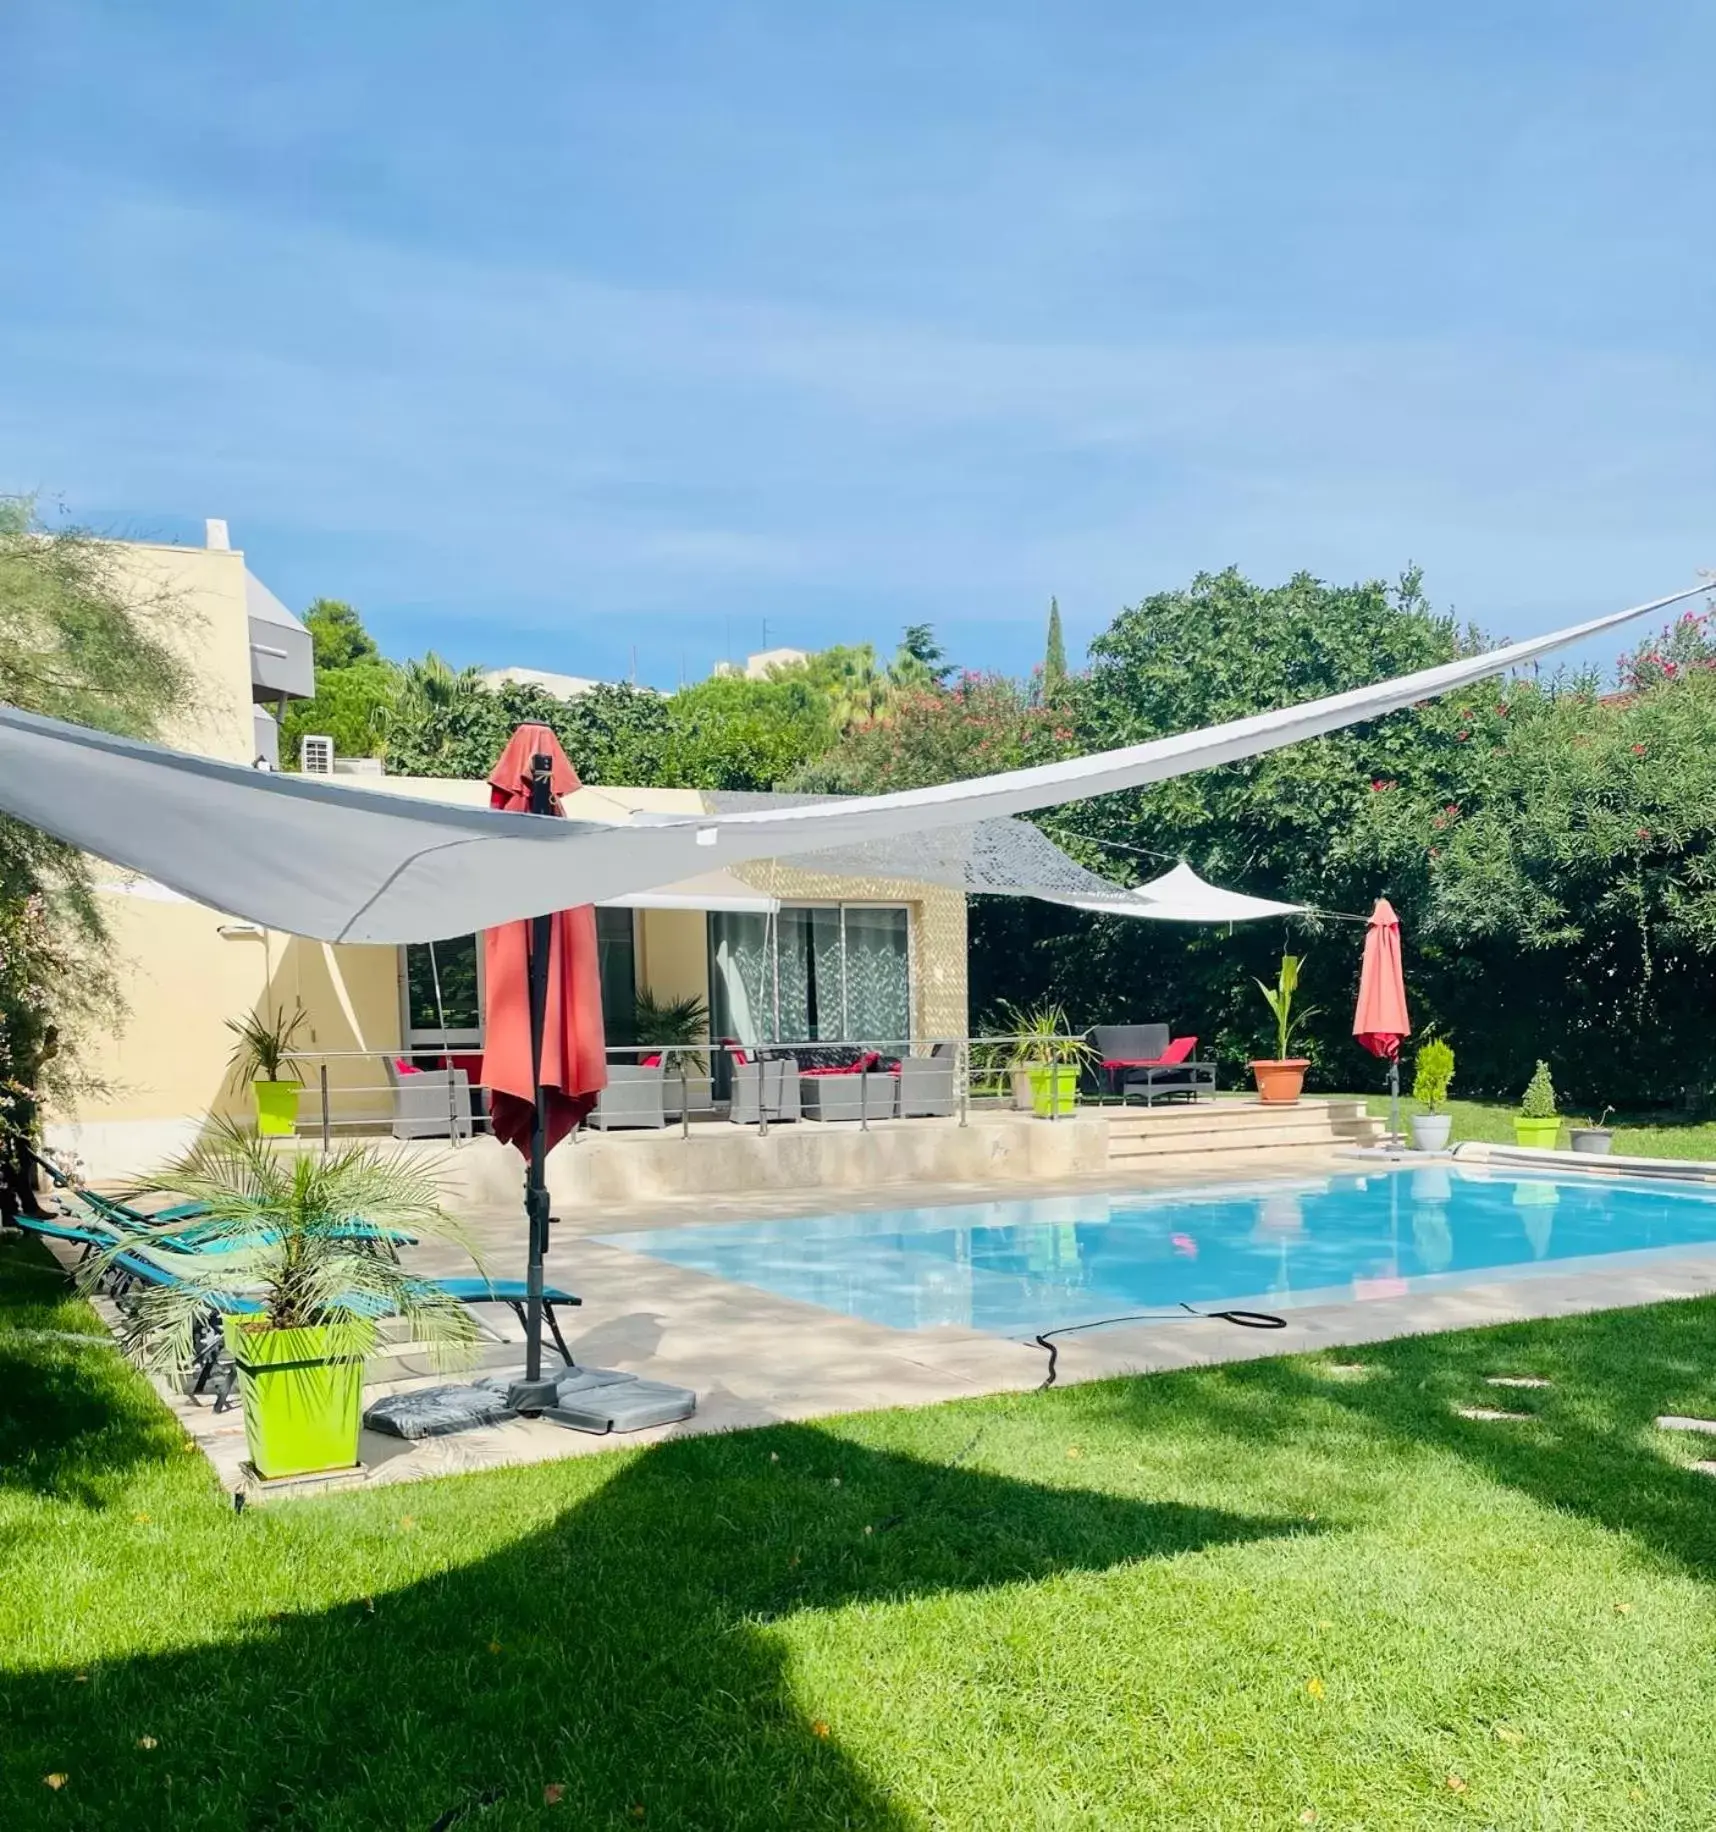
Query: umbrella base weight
531, 1396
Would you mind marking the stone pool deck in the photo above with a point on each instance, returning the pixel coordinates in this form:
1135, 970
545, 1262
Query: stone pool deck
754, 1358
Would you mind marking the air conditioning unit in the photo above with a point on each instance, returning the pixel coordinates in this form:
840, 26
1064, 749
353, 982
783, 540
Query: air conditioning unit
316, 755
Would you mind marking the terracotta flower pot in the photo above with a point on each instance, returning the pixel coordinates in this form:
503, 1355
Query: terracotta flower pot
1279, 1084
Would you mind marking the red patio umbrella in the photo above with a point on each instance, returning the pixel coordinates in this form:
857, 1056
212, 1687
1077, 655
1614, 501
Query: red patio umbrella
1380, 1022
544, 1059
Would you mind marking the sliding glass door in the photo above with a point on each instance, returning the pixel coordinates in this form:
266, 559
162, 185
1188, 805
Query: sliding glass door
812, 973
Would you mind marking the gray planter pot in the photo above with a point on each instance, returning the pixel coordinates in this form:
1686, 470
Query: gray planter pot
1594, 1141
1430, 1131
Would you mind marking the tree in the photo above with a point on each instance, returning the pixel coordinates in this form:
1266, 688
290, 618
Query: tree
355, 687
920, 660
1556, 852
1054, 656
79, 640
337, 634
1220, 649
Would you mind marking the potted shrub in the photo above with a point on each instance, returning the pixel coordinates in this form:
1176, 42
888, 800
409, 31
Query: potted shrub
1537, 1123
277, 1230
1045, 1060
1432, 1073
1281, 1081
1597, 1141
264, 1049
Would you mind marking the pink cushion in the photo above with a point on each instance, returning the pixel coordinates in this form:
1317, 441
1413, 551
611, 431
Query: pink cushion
828, 1072
402, 1067
651, 1062
1180, 1049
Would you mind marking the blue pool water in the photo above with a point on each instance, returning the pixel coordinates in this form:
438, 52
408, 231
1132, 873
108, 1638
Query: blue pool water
1017, 1267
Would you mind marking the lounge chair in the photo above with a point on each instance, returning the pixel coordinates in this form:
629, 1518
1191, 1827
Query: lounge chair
1147, 1059
136, 1268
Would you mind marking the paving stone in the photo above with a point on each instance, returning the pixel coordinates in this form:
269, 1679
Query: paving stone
1489, 1414
1673, 1422
1515, 1380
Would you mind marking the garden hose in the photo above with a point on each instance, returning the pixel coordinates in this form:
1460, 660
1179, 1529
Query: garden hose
1245, 1319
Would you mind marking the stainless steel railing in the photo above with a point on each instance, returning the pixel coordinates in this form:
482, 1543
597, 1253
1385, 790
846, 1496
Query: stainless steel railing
356, 1092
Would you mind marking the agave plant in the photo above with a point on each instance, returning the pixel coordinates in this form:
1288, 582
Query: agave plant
305, 1237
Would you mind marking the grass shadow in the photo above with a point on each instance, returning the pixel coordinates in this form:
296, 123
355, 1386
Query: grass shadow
622, 1655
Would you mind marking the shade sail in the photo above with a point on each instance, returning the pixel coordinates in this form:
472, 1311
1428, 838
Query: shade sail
1181, 895
343, 864
712, 890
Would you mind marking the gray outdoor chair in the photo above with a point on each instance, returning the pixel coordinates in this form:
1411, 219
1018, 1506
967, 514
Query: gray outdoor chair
928, 1087
634, 1097
431, 1103
770, 1087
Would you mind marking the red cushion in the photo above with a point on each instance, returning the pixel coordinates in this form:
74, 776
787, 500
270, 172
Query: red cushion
827, 1072
402, 1067
651, 1062
867, 1061
1132, 1062
1180, 1049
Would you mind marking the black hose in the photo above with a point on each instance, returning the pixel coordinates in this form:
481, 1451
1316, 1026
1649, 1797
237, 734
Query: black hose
1244, 1319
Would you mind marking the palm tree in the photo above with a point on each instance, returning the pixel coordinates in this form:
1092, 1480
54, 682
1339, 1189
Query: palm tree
283, 1228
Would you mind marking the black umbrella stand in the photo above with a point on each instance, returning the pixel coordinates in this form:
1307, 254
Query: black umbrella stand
533, 1393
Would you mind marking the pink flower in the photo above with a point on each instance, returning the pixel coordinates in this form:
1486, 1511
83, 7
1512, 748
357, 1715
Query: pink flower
1638, 750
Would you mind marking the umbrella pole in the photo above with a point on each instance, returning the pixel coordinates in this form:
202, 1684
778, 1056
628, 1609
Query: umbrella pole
1394, 1138
536, 1184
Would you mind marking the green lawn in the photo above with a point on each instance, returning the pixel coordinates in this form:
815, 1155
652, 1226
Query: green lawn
1492, 1120
1268, 1596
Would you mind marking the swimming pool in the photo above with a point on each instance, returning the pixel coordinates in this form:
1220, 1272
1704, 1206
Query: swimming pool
1013, 1268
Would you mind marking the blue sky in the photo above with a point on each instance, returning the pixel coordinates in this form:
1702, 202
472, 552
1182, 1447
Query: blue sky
544, 333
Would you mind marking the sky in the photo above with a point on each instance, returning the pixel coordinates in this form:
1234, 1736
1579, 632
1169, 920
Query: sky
593, 337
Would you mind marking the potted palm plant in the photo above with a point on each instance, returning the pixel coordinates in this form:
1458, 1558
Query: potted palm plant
1537, 1123
264, 1048
295, 1268
1281, 1081
1432, 1074
671, 1025
1045, 1060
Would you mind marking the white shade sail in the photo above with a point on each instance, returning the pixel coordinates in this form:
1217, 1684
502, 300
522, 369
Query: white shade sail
1181, 895
346, 864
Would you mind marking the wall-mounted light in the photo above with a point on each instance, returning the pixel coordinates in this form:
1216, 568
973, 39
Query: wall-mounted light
241, 931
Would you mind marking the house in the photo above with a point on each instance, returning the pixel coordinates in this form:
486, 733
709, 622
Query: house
773, 951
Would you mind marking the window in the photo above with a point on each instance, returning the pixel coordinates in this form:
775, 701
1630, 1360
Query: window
443, 992
617, 963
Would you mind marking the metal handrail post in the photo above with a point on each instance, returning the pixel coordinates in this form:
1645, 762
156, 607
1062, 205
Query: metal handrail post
684, 1101
962, 1079
327, 1118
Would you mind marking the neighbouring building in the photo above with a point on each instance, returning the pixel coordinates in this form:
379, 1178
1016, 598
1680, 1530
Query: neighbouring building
773, 951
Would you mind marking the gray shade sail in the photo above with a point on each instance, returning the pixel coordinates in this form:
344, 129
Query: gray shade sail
347, 864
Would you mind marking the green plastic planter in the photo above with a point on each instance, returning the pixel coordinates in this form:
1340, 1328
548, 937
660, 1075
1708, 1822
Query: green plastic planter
276, 1108
303, 1396
1054, 1091
1539, 1135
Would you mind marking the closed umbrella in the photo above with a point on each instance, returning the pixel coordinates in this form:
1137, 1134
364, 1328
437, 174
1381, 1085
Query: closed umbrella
544, 1057
1380, 1022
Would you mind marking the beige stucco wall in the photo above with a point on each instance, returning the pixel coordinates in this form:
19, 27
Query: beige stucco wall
194, 597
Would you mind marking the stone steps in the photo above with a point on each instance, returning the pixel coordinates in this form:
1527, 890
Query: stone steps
1139, 1136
